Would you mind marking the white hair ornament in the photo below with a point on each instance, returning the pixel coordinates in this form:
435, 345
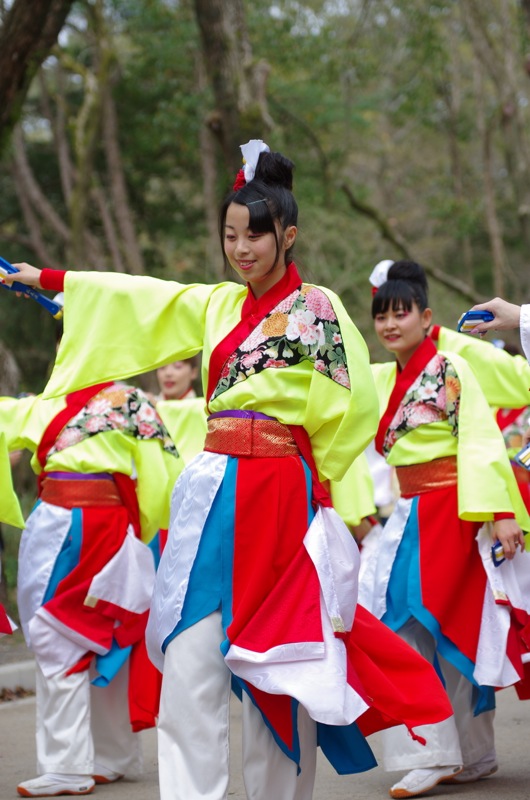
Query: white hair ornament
251, 153
379, 274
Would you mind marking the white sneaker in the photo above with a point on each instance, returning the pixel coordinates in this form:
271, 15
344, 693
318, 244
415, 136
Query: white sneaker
105, 775
419, 781
53, 785
474, 772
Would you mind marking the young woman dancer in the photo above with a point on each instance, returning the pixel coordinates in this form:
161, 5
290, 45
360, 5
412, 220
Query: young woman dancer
427, 578
257, 584
105, 466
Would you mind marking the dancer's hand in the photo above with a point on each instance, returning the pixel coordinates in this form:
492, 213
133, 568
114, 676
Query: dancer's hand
510, 535
505, 316
28, 275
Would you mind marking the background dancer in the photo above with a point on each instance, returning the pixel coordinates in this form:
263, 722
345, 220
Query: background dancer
426, 578
105, 464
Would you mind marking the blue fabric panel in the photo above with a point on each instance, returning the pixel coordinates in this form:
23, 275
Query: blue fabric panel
69, 555
110, 664
404, 600
345, 748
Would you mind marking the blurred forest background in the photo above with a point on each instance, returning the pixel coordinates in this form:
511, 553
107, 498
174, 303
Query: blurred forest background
120, 125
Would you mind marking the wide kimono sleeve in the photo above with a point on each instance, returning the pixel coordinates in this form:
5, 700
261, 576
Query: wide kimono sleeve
186, 422
504, 379
156, 470
20, 422
10, 512
486, 483
342, 417
117, 326
353, 496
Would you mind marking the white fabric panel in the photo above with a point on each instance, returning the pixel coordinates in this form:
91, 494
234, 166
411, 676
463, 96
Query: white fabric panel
128, 579
508, 583
377, 561
56, 646
40, 544
192, 498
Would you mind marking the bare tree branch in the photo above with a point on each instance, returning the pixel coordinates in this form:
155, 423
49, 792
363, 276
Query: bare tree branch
398, 241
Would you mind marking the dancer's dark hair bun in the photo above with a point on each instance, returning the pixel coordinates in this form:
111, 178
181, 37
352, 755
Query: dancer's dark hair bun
408, 271
275, 170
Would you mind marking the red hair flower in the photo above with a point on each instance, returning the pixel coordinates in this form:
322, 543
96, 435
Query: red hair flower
239, 181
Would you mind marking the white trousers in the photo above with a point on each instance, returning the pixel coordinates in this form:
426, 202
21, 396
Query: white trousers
193, 729
461, 739
79, 725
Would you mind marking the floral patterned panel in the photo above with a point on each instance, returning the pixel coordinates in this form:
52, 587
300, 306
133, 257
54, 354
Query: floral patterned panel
514, 430
122, 408
434, 396
302, 327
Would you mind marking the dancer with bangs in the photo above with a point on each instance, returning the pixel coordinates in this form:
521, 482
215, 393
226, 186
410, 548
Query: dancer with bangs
431, 578
256, 588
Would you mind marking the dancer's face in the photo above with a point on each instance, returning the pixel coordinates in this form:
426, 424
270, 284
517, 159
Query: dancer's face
401, 332
252, 255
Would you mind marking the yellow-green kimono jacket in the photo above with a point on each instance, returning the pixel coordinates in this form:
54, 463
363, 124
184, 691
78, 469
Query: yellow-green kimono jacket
10, 512
116, 326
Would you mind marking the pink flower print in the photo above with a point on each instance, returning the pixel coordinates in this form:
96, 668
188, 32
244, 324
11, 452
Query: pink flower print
285, 305
146, 430
67, 438
428, 390
116, 419
225, 372
147, 412
95, 424
317, 302
441, 399
434, 365
422, 414
399, 417
340, 375
99, 406
251, 359
320, 365
337, 338
253, 341
390, 440
301, 326
272, 362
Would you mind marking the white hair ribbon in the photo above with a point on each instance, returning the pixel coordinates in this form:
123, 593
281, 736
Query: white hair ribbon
379, 274
251, 153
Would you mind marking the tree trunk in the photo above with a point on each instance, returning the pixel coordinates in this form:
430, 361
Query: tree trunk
29, 32
238, 85
118, 186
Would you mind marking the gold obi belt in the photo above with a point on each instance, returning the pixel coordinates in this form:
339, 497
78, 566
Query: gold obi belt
419, 478
249, 433
78, 490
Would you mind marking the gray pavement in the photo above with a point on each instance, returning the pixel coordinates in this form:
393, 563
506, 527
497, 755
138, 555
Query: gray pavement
512, 782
